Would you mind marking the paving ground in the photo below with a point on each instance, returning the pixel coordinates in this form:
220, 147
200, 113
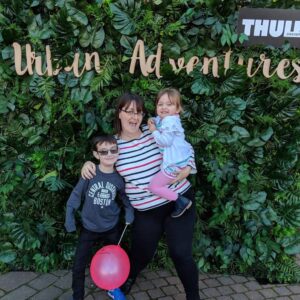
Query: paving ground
160, 285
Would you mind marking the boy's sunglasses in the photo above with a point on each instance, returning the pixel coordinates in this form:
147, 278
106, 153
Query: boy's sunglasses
105, 152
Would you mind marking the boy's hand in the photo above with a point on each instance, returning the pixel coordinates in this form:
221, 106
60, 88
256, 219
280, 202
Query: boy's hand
151, 125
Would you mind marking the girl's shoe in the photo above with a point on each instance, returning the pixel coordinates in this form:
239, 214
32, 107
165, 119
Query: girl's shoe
181, 205
116, 294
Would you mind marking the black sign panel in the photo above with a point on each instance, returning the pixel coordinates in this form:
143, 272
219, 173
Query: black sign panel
270, 26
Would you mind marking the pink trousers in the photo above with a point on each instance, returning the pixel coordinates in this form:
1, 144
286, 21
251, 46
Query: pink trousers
159, 186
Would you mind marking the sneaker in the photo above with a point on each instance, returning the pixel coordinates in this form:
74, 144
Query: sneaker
116, 294
126, 287
181, 205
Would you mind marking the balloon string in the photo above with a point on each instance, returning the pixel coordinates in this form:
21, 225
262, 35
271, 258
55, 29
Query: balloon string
122, 234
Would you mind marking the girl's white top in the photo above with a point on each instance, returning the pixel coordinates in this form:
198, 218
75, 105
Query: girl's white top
170, 138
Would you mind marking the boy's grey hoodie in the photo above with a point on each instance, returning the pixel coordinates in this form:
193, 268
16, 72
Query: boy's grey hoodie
100, 212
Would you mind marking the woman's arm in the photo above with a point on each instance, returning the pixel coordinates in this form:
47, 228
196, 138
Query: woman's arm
129, 211
184, 173
88, 170
189, 169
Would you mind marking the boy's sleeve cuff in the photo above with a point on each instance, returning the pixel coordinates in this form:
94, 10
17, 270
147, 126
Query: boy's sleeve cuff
70, 227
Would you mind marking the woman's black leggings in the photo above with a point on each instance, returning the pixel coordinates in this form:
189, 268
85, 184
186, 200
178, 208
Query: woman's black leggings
148, 229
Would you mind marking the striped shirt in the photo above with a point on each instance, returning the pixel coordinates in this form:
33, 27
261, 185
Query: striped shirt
139, 160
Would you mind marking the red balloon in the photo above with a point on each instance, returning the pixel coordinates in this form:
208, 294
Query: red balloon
110, 267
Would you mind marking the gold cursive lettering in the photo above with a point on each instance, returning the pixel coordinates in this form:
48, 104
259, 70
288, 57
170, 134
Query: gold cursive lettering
146, 65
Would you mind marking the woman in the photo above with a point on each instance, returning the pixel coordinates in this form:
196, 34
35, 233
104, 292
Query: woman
139, 160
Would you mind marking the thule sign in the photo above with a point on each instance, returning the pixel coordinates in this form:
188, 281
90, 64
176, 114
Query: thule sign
270, 26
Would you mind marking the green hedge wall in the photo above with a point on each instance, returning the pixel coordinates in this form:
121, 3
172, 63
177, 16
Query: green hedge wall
245, 131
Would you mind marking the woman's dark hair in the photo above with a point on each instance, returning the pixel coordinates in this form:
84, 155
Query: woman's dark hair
124, 102
100, 139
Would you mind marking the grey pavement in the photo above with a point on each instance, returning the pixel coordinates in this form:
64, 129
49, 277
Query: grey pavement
159, 284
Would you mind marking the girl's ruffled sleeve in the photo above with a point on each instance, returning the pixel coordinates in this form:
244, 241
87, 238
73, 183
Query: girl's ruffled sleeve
172, 124
168, 128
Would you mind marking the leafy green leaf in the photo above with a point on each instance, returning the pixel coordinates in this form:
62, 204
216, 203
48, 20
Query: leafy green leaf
87, 78
7, 256
267, 134
241, 131
50, 174
81, 95
234, 38
7, 52
256, 142
255, 201
122, 21
85, 39
293, 249
98, 38
210, 20
77, 15
202, 86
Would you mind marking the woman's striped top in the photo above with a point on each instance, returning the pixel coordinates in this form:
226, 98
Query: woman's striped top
139, 160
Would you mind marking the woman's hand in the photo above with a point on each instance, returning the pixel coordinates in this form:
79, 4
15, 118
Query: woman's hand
184, 173
88, 170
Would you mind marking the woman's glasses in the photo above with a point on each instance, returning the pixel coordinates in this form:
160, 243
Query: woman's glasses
131, 113
105, 152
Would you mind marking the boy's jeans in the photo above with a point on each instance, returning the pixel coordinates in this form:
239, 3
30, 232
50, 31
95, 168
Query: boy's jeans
86, 242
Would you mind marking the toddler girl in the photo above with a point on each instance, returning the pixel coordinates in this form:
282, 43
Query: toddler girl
169, 135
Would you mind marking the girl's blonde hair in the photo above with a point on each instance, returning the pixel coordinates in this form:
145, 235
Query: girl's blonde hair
173, 95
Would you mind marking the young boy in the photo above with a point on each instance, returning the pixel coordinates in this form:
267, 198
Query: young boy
100, 212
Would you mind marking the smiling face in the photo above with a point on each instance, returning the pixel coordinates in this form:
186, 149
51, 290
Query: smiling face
130, 119
166, 106
107, 154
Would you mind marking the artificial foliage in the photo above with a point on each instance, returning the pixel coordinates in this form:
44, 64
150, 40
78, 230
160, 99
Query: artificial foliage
245, 131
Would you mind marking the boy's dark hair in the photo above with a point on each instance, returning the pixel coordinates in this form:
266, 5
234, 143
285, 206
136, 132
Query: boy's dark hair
100, 139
